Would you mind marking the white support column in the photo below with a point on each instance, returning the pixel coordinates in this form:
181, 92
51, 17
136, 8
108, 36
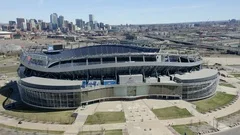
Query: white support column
101, 60
115, 59
179, 59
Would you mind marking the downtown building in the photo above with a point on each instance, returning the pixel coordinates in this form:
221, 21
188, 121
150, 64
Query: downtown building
20, 23
54, 21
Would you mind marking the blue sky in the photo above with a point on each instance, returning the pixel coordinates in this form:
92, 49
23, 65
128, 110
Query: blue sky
123, 11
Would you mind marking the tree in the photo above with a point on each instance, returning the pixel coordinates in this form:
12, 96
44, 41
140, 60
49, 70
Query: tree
130, 36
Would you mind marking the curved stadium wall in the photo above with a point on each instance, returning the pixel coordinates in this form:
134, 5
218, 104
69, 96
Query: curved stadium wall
72, 95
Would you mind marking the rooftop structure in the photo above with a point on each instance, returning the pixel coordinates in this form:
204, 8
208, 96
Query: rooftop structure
197, 75
50, 82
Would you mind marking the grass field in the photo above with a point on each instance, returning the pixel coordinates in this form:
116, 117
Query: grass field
107, 132
236, 75
227, 85
105, 118
171, 113
30, 114
182, 129
219, 100
30, 130
9, 69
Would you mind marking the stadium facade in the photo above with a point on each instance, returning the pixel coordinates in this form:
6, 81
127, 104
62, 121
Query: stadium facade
59, 78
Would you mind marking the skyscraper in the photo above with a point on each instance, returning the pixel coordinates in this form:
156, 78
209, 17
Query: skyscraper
101, 25
44, 26
20, 22
70, 26
24, 26
83, 23
29, 26
54, 20
79, 23
61, 21
11, 23
91, 21
33, 23
40, 21
91, 18
66, 23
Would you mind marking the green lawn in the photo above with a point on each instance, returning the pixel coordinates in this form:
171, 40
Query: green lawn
171, 113
20, 130
227, 85
30, 114
236, 75
182, 129
9, 69
105, 118
219, 100
107, 132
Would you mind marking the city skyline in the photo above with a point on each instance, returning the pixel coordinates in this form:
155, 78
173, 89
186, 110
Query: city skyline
117, 12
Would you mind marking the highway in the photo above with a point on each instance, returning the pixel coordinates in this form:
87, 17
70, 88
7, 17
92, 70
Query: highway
191, 44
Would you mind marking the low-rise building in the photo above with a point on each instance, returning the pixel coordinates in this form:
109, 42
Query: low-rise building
6, 35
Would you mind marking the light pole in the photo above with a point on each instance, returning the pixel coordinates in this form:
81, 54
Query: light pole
17, 128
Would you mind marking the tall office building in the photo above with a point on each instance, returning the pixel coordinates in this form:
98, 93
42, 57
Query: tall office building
91, 21
24, 26
95, 25
29, 26
33, 23
40, 21
11, 23
91, 18
61, 21
79, 23
54, 20
66, 23
44, 26
70, 26
20, 22
101, 25
83, 24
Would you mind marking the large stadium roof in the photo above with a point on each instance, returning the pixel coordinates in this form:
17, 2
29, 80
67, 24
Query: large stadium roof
204, 73
101, 49
50, 82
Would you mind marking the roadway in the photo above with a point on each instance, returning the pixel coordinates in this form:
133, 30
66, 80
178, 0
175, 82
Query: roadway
233, 131
192, 44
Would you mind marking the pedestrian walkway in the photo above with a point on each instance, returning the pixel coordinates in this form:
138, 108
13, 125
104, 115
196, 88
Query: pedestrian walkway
75, 127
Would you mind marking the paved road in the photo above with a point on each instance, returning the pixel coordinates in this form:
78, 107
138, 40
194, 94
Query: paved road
233, 131
5, 131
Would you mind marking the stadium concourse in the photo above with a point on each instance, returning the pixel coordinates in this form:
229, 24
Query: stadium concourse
55, 77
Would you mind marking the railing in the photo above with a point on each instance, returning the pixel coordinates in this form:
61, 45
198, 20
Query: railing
51, 60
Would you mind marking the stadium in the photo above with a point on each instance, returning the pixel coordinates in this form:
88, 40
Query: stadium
55, 77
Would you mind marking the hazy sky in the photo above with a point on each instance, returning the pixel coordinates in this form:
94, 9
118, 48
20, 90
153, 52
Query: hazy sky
123, 11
